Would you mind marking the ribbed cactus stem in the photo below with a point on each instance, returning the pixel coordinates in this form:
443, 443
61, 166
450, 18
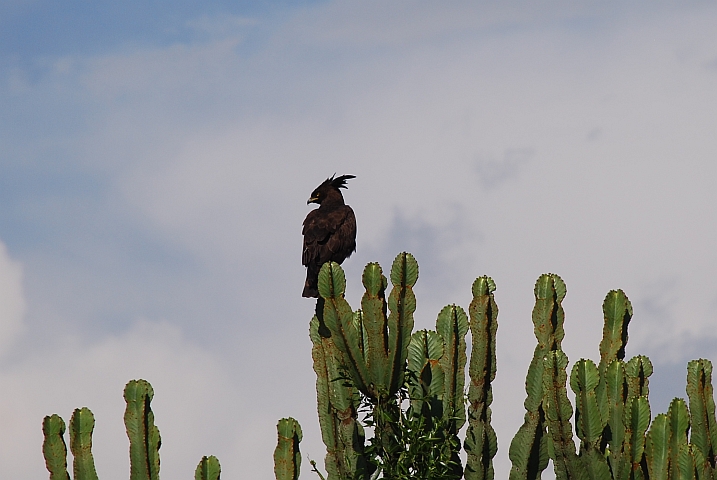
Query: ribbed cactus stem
54, 448
287, 457
82, 424
702, 410
208, 469
402, 305
452, 326
657, 448
529, 449
425, 386
336, 404
589, 423
557, 413
681, 464
481, 443
144, 439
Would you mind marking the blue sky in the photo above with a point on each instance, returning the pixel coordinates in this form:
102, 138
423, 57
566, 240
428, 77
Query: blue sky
155, 161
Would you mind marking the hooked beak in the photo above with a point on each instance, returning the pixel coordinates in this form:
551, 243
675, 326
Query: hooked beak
312, 200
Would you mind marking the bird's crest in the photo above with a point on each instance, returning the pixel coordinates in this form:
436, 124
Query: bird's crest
338, 182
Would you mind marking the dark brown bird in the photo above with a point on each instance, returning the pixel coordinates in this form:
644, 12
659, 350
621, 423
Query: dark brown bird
329, 231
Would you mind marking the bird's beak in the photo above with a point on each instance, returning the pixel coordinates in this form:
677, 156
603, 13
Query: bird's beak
312, 200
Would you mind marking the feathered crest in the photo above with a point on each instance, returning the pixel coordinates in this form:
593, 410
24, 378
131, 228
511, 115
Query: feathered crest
338, 182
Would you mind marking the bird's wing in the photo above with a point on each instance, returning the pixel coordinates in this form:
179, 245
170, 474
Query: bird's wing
329, 235
343, 241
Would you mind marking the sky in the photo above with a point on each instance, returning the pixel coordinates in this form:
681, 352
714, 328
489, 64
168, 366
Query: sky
156, 158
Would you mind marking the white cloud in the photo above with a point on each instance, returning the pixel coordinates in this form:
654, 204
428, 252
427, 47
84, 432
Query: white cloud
12, 300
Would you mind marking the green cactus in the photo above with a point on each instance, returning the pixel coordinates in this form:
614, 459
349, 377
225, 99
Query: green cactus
144, 439
657, 448
287, 457
481, 443
589, 422
681, 465
337, 402
529, 448
54, 448
426, 384
452, 326
557, 413
208, 469
702, 409
82, 424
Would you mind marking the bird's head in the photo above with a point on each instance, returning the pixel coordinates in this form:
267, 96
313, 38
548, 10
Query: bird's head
329, 189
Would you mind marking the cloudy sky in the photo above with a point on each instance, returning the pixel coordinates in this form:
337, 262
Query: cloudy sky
155, 162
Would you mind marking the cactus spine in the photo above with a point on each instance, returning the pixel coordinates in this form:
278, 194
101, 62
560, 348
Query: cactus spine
481, 443
287, 457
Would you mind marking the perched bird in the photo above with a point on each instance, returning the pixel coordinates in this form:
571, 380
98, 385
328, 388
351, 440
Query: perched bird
329, 231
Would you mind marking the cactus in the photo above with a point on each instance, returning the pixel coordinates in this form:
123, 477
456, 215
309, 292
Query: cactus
481, 443
144, 438
702, 409
54, 448
208, 469
657, 447
337, 403
681, 463
82, 424
452, 326
143, 435
529, 448
557, 413
426, 383
287, 457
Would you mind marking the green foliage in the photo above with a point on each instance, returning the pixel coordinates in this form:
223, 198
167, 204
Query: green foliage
142, 432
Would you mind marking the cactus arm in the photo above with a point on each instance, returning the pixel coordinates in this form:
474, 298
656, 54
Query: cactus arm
452, 326
208, 469
637, 419
481, 443
54, 448
638, 370
373, 306
657, 446
589, 424
144, 439
426, 382
702, 410
528, 450
402, 304
336, 405
681, 465
287, 457
557, 413
339, 319
616, 398
82, 424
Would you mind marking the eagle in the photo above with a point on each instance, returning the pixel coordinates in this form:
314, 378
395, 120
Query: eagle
329, 231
